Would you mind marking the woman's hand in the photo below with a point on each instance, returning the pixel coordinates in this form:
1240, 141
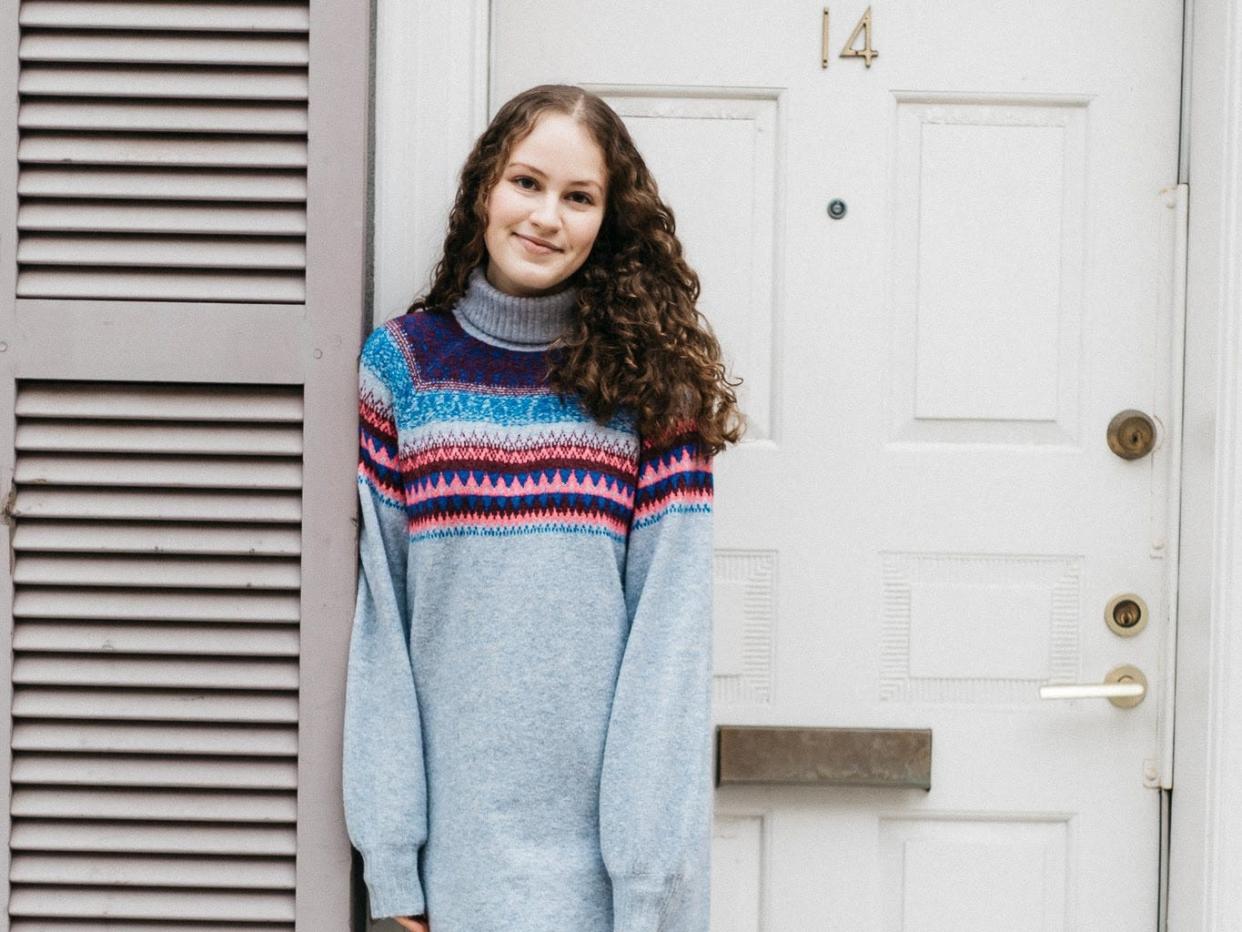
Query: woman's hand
414, 923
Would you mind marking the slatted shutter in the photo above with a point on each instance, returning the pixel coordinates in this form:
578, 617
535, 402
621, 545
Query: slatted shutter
183, 270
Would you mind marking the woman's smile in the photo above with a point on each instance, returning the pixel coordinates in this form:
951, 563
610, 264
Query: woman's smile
533, 247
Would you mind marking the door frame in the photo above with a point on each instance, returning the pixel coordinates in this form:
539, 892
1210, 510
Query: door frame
1206, 819
413, 90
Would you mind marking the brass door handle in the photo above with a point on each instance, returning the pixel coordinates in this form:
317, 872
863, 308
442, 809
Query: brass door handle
1124, 686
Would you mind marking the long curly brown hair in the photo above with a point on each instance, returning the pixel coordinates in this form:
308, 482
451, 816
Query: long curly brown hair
638, 339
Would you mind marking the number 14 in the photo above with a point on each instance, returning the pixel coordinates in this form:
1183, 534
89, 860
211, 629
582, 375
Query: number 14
866, 52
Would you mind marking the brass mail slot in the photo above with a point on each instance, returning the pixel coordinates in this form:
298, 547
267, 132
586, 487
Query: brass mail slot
749, 754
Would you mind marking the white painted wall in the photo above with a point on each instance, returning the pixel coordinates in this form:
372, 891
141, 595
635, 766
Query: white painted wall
430, 105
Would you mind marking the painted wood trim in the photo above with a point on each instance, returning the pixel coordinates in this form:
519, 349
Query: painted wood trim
9, 37
1206, 820
338, 258
431, 103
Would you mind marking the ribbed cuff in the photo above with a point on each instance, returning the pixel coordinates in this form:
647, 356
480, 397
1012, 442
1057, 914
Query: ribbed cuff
393, 884
638, 902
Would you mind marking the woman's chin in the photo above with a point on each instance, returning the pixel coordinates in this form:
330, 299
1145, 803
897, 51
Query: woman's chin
534, 275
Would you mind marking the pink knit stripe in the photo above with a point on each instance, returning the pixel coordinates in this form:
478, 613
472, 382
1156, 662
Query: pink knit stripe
381, 456
656, 469
682, 496
422, 490
375, 413
434, 454
545, 516
376, 482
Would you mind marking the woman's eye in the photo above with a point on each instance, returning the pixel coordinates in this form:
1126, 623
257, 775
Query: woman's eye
582, 196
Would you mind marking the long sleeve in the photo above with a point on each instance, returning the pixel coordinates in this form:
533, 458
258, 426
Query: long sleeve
656, 784
384, 779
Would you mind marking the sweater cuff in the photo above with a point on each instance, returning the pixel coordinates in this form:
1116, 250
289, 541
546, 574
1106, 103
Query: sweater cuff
638, 902
393, 884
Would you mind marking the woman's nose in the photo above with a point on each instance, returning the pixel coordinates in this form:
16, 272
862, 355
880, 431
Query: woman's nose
545, 212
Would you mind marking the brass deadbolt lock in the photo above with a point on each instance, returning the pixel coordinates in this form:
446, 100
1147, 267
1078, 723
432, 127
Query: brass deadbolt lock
1131, 434
1126, 614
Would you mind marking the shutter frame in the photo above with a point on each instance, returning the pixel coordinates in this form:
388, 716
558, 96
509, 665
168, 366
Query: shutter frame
269, 296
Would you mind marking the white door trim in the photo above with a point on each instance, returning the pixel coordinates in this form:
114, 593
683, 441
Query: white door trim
431, 103
431, 67
1206, 849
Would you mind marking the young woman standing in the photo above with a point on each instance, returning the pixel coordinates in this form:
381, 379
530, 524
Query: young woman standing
527, 739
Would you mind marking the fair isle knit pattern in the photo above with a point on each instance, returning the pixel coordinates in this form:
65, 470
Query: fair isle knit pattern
488, 450
527, 740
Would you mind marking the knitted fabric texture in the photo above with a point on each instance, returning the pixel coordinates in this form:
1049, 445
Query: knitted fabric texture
527, 741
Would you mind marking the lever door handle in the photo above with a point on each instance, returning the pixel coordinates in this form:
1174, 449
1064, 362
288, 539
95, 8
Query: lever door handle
1124, 686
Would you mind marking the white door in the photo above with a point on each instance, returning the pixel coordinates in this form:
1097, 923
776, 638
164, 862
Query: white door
926, 523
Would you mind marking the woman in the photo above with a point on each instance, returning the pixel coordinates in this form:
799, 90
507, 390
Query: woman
527, 738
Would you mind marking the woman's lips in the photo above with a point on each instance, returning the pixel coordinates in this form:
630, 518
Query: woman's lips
532, 246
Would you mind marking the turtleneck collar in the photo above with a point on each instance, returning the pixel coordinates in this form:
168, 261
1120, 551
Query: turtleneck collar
512, 321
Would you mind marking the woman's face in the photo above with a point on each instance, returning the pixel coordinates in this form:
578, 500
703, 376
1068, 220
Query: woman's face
552, 191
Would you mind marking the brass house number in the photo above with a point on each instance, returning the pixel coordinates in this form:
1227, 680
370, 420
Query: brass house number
866, 53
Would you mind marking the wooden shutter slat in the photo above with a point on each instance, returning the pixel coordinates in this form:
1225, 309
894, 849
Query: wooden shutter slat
162, 117
170, 252
171, 505
140, 925
73, 670
174, 403
213, 17
144, 251
163, 572
154, 638
187, 772
138, 870
137, 150
147, 870
73, 802
234, 287
58, 835
83, 46
169, 605
155, 805
211, 439
180, 738
164, 472
270, 220
153, 705
134, 903
153, 82
163, 184
133, 537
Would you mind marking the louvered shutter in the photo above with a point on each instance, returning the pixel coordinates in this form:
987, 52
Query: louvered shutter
183, 268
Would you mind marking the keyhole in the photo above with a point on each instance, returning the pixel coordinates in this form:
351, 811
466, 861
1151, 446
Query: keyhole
1127, 613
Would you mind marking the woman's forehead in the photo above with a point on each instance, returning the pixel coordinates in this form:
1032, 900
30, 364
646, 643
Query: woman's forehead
561, 148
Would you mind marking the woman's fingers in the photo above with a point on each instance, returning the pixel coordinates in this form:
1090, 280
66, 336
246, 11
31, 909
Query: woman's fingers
414, 925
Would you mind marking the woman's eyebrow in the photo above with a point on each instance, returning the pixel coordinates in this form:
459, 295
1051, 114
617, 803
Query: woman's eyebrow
538, 172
